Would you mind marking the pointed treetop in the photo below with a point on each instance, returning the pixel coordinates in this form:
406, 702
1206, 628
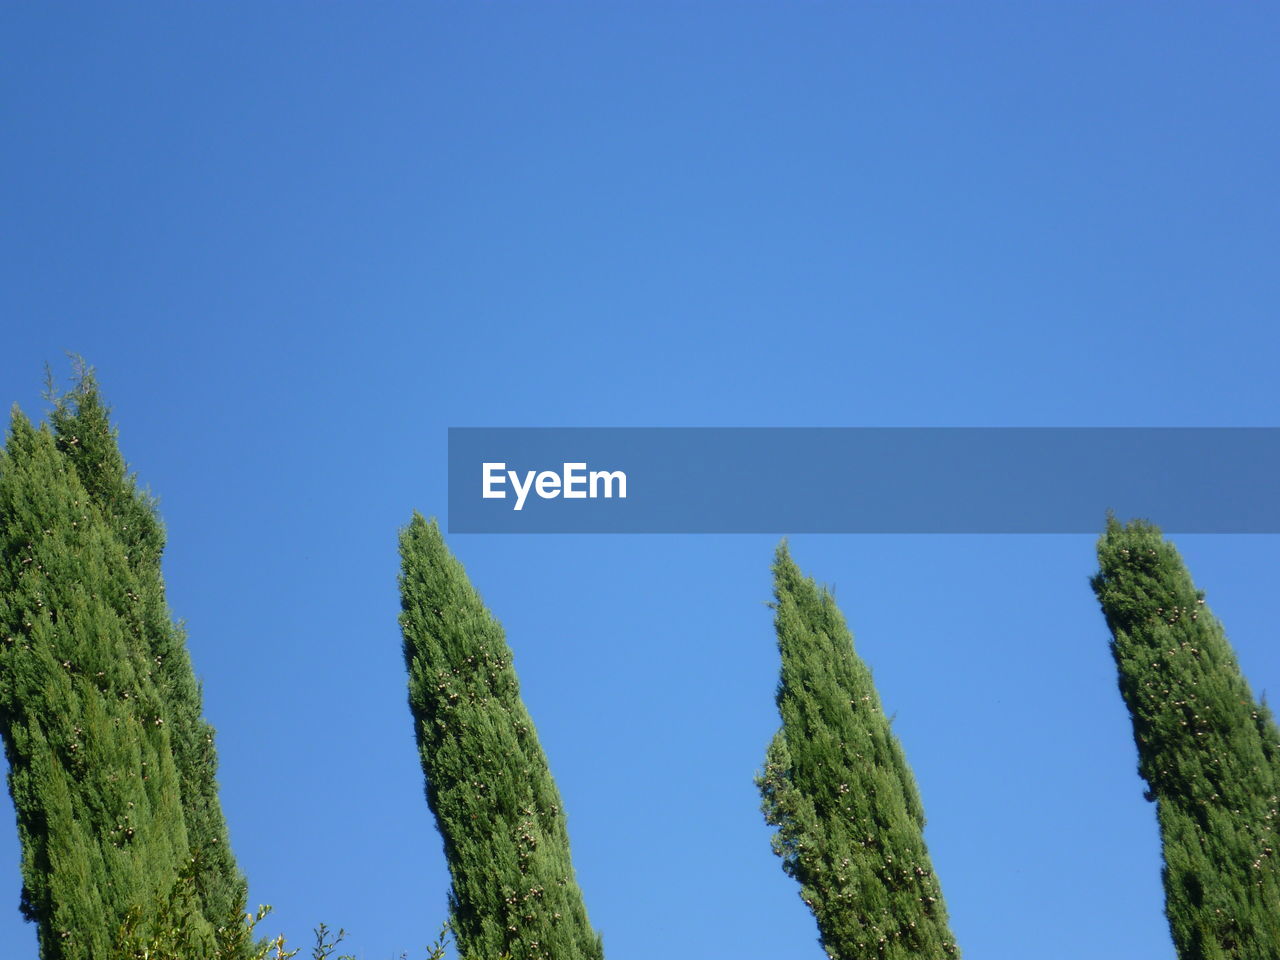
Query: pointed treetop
787, 576
422, 525
783, 552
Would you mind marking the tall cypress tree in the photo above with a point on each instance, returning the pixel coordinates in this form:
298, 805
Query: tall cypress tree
85, 726
487, 779
82, 427
1206, 748
837, 787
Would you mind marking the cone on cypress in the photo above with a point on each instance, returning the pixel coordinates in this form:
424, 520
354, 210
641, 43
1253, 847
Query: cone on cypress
487, 780
837, 788
85, 725
1207, 750
82, 428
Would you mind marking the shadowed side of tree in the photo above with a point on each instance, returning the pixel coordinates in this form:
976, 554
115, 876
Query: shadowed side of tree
85, 727
1206, 748
82, 427
488, 782
837, 787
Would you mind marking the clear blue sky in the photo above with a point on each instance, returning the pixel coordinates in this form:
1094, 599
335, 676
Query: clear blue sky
299, 241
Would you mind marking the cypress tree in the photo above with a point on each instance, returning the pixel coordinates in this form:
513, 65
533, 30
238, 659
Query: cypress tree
82, 427
837, 788
1207, 750
85, 727
487, 780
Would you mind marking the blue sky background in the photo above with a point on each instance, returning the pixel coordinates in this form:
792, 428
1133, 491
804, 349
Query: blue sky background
300, 241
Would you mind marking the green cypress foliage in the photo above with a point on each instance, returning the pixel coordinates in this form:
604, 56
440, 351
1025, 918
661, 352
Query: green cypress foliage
85, 726
82, 426
1207, 750
837, 788
488, 783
